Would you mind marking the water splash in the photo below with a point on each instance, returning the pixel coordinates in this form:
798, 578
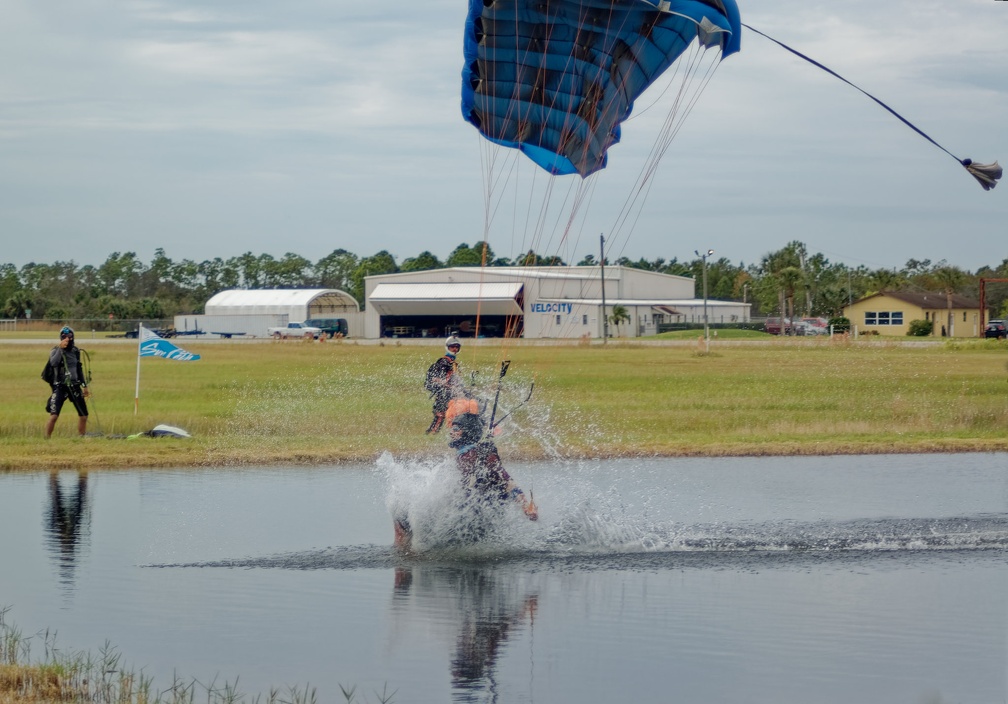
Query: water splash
578, 517
443, 516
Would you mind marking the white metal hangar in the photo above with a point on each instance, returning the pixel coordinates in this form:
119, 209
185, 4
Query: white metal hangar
533, 302
251, 312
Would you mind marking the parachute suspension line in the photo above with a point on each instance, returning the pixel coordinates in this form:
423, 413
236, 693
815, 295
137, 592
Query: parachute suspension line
692, 79
987, 175
689, 94
686, 100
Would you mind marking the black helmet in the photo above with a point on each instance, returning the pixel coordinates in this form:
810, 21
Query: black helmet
466, 429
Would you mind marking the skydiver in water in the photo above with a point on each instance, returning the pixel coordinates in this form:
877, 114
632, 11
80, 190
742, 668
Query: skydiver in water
480, 468
478, 461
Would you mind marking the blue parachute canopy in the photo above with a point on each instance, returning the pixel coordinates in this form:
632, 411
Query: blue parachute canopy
555, 78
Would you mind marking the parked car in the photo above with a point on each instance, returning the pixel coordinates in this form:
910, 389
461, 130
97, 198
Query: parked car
802, 328
996, 329
293, 330
330, 326
773, 326
816, 326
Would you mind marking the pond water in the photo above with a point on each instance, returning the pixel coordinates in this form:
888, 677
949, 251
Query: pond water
841, 579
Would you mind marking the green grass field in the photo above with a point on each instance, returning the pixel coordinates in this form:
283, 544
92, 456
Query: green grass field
263, 402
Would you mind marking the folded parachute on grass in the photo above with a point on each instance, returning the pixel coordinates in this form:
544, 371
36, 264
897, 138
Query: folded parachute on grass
161, 431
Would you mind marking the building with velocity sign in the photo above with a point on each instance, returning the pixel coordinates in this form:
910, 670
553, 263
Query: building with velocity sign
534, 302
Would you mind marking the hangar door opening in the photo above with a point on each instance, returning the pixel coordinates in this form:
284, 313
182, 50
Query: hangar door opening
438, 309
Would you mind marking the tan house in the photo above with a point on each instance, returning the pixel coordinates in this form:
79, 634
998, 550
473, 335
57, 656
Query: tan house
890, 313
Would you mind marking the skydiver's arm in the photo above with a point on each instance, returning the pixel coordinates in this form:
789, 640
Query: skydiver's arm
528, 506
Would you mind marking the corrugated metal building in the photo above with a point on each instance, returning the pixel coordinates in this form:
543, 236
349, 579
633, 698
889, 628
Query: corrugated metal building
250, 312
534, 302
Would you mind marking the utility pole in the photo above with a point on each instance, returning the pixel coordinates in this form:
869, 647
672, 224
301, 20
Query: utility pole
605, 317
706, 329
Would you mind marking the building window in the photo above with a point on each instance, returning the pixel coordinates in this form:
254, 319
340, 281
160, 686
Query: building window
584, 319
964, 316
883, 317
558, 320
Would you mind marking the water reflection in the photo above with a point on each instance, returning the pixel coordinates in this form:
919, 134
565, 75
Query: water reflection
67, 523
489, 605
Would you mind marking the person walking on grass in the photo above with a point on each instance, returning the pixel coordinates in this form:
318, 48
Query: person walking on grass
68, 382
442, 381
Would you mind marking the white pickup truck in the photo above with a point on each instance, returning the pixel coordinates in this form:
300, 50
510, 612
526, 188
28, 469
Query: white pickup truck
294, 330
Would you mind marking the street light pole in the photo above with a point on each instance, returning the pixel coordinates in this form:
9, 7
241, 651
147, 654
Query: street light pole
605, 318
706, 329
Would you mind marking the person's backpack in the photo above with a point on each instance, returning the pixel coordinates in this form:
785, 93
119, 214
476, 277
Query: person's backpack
49, 374
429, 379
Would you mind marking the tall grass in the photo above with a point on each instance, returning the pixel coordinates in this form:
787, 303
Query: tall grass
327, 403
84, 677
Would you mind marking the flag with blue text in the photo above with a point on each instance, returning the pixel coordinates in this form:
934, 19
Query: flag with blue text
151, 345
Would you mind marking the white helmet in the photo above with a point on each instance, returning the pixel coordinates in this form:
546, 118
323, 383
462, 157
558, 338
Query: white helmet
452, 340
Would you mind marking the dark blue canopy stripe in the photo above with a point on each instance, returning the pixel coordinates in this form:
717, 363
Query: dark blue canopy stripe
555, 78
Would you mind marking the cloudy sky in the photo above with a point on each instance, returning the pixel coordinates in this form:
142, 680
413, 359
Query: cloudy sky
212, 129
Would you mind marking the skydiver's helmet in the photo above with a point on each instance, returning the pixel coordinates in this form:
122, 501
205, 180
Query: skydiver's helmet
452, 341
466, 429
67, 331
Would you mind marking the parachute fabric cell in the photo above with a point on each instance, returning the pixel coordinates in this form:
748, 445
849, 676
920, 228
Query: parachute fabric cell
555, 78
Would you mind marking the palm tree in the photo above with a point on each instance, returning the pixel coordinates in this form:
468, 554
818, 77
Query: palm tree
949, 278
619, 315
790, 278
18, 303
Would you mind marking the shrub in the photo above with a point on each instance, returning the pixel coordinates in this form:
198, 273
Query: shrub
840, 324
919, 328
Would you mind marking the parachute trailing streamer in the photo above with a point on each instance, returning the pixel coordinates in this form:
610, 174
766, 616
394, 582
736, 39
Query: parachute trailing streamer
556, 79
987, 175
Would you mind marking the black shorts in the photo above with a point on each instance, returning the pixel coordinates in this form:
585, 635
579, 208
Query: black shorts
60, 394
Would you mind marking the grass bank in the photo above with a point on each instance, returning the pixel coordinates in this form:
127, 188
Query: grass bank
102, 677
264, 402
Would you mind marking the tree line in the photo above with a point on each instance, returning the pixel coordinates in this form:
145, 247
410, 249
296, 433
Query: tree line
124, 287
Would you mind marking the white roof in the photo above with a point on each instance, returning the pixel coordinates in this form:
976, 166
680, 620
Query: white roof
259, 300
492, 298
527, 273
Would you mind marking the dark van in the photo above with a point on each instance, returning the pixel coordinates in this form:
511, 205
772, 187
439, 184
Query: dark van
330, 326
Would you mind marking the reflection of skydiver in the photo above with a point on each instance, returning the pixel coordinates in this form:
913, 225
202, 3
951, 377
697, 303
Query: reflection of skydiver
479, 640
64, 520
489, 610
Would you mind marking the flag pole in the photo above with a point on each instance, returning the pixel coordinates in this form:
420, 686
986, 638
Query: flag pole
136, 397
